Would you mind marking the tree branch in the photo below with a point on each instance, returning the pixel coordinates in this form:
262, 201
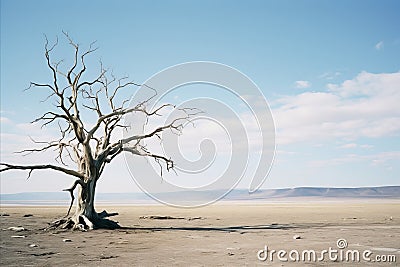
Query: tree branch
71, 192
40, 167
169, 163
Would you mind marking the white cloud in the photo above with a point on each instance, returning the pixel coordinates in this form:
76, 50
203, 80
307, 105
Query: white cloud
302, 84
354, 145
350, 145
330, 75
379, 45
4, 120
366, 106
366, 146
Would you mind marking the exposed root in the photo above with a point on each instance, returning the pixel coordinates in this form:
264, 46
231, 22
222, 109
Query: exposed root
84, 224
60, 224
105, 214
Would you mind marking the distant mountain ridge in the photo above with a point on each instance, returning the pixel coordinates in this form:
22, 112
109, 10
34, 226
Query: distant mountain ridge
327, 192
385, 192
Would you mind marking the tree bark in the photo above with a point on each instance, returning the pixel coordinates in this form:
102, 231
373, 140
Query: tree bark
85, 212
85, 216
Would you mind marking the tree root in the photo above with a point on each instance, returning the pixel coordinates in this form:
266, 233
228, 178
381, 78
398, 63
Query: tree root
84, 224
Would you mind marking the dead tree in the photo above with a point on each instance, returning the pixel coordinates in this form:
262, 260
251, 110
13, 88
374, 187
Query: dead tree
90, 149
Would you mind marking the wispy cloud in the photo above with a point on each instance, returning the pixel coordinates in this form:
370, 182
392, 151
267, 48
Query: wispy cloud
302, 84
4, 120
354, 145
379, 45
350, 145
330, 75
7, 112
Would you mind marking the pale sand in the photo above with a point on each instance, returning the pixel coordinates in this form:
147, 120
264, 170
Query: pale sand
225, 235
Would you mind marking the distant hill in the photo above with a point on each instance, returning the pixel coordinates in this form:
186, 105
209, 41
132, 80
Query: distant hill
62, 198
360, 192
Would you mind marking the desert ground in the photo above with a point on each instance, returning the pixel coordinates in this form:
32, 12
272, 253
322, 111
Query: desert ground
223, 234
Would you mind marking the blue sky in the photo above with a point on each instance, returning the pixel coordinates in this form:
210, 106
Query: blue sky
329, 70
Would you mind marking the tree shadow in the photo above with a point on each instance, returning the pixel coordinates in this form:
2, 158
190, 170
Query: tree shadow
240, 228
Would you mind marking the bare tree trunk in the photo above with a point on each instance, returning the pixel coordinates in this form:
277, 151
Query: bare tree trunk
85, 213
86, 217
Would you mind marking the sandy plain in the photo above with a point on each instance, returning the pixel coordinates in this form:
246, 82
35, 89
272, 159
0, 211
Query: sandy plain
223, 234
